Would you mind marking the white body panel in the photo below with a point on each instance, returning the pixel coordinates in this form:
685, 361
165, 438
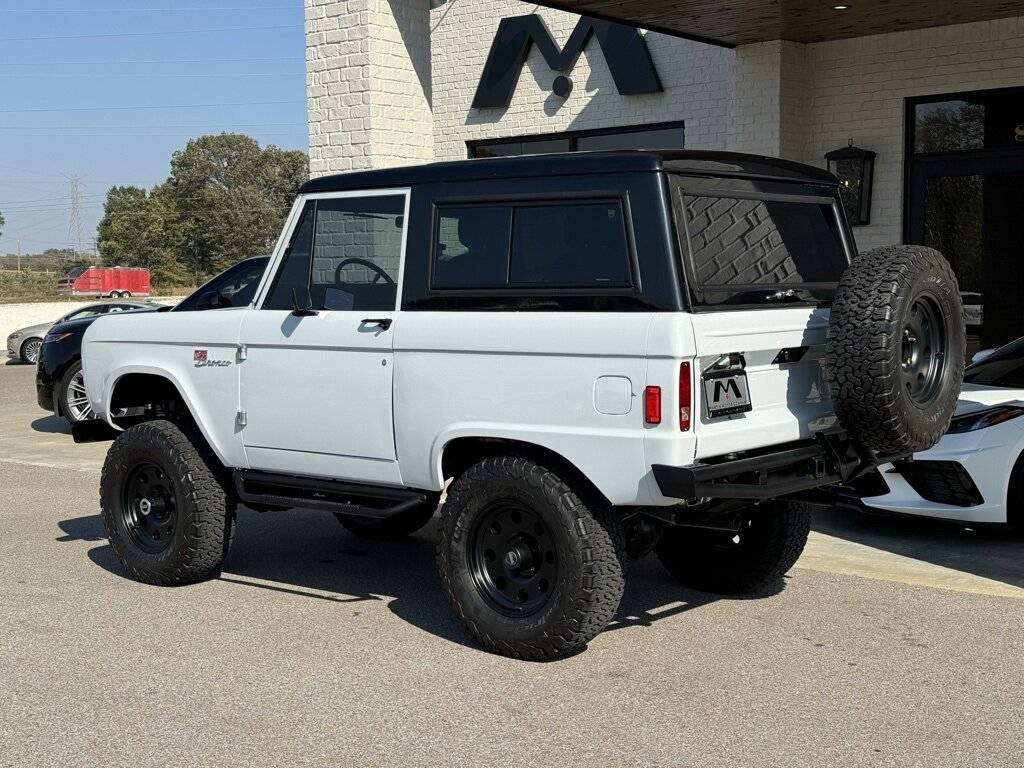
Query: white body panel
316, 392
165, 344
988, 455
528, 376
786, 399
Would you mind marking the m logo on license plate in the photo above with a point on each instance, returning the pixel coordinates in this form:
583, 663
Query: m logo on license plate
726, 392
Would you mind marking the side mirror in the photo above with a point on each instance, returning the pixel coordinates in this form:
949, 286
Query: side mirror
302, 302
212, 300
979, 356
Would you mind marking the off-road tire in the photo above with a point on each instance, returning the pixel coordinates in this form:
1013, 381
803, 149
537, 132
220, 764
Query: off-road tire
203, 503
580, 531
771, 538
395, 527
872, 342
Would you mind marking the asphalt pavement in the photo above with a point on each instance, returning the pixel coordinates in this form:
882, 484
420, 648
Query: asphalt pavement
893, 642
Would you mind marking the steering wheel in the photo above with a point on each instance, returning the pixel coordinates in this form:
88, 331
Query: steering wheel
363, 263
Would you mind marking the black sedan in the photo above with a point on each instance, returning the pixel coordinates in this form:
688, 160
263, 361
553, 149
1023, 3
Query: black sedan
60, 386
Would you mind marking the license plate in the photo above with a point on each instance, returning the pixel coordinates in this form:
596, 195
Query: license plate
726, 393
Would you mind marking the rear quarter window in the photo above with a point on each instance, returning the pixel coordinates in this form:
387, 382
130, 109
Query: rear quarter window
550, 245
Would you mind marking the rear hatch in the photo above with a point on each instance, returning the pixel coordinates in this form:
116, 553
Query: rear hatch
762, 261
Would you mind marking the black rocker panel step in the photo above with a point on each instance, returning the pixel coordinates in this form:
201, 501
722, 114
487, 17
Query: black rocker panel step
331, 495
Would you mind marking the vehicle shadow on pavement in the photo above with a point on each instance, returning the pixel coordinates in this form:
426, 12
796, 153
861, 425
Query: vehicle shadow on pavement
992, 552
308, 554
51, 425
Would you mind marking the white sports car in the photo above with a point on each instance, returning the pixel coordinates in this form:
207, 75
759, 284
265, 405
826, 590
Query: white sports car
976, 471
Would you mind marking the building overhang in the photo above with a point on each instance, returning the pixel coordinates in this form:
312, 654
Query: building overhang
804, 21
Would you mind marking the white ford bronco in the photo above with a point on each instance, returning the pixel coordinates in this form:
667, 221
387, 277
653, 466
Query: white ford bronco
587, 357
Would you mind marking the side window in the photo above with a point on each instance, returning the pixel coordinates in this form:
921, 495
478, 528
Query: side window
575, 245
357, 251
472, 246
570, 245
294, 269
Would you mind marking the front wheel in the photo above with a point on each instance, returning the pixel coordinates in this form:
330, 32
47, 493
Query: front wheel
531, 565
74, 402
166, 508
771, 537
30, 350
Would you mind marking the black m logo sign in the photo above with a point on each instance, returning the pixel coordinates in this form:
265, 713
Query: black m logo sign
729, 387
624, 50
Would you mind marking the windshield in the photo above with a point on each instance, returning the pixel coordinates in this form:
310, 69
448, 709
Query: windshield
1003, 368
745, 250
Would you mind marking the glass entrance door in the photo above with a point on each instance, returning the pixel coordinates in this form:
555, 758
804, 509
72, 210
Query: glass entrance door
965, 197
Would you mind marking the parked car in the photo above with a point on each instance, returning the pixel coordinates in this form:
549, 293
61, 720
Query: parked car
975, 473
595, 356
25, 342
60, 387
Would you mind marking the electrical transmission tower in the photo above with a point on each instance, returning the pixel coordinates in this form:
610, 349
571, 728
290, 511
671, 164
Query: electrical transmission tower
75, 222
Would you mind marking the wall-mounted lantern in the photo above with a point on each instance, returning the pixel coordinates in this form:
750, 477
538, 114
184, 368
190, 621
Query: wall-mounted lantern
855, 168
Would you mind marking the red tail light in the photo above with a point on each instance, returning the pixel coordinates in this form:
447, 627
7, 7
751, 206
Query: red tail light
685, 397
652, 405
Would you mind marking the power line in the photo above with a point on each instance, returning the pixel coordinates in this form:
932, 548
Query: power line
143, 61
153, 106
147, 34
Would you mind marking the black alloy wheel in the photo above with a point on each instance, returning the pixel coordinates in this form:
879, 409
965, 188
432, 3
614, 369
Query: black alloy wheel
149, 509
923, 357
512, 558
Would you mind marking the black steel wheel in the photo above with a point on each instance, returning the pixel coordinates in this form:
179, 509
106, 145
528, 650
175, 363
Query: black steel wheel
923, 349
149, 507
30, 350
512, 559
770, 539
167, 504
531, 564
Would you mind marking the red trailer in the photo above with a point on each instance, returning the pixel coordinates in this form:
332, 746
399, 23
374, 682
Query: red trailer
115, 282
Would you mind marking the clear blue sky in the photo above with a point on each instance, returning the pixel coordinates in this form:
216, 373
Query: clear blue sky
108, 89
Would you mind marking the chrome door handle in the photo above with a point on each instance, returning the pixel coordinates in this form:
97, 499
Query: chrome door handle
381, 322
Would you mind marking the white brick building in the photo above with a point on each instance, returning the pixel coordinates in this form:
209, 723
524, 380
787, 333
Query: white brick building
392, 82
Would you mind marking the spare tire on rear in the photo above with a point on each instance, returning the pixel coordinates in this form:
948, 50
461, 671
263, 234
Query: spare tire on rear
896, 348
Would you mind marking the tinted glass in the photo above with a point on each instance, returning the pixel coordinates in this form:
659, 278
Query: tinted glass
1003, 368
986, 120
658, 138
86, 312
357, 250
761, 251
294, 270
570, 245
237, 285
471, 247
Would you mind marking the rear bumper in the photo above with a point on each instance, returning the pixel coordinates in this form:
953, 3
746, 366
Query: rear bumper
768, 475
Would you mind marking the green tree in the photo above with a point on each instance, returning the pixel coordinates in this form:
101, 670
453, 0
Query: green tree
1, 223
232, 196
141, 229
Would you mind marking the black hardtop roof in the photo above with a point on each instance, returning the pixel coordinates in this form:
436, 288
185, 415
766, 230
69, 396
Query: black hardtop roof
698, 163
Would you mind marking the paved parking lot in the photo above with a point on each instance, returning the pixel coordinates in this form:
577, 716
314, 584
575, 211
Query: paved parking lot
894, 642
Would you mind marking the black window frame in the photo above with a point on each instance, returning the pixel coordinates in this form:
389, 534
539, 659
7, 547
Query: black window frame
574, 136
509, 289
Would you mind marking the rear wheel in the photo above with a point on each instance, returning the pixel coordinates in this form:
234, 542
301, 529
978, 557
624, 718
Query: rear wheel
30, 350
74, 401
532, 566
114, 294
771, 537
167, 511
126, 294
394, 527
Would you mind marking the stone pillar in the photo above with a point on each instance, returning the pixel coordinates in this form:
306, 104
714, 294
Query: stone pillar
770, 87
368, 84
